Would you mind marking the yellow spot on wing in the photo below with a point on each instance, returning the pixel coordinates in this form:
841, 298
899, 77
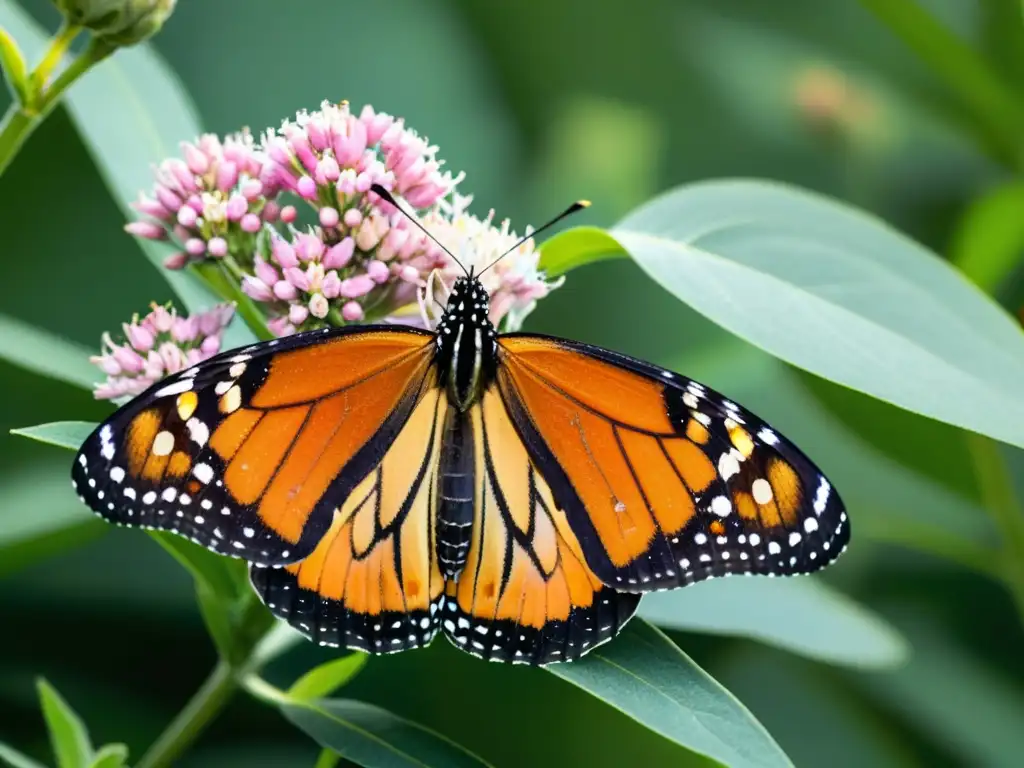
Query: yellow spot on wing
740, 438
232, 400
187, 402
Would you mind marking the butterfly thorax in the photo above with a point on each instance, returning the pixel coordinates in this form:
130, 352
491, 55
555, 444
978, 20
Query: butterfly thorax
466, 343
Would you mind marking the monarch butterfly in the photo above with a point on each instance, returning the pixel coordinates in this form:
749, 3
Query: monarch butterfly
518, 492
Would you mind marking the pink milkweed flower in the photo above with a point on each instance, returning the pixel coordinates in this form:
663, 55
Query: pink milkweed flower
155, 346
212, 203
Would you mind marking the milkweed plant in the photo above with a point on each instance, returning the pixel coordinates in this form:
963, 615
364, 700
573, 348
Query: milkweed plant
279, 231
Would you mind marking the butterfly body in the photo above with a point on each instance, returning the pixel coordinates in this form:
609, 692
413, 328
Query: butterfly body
517, 493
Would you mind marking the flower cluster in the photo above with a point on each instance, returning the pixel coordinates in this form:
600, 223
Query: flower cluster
350, 263
161, 343
212, 201
294, 220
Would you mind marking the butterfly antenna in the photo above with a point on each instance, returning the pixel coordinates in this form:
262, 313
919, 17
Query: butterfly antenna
383, 193
579, 205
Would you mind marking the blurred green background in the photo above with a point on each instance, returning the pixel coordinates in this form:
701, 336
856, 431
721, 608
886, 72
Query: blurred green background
542, 102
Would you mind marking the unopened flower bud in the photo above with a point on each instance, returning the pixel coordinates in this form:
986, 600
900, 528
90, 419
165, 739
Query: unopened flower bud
118, 23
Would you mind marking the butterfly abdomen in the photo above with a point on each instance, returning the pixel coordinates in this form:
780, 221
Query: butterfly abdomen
455, 502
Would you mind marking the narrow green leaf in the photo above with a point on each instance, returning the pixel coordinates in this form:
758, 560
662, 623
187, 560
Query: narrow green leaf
222, 591
111, 756
14, 758
63, 434
645, 676
374, 737
41, 352
989, 240
576, 247
802, 615
68, 735
15, 71
153, 114
994, 106
225, 577
838, 293
217, 616
323, 680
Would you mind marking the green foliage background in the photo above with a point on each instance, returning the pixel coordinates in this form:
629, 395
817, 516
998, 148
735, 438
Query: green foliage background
543, 102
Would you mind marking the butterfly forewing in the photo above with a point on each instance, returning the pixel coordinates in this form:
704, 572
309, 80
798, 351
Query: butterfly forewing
248, 453
664, 481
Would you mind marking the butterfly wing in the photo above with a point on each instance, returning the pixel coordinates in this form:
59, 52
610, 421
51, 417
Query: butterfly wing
664, 481
249, 452
372, 582
525, 593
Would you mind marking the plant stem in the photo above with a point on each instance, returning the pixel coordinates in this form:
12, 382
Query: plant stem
1000, 500
58, 47
21, 120
200, 711
328, 759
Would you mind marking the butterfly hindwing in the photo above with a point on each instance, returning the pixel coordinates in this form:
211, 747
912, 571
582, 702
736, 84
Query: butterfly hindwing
664, 481
525, 593
372, 583
248, 452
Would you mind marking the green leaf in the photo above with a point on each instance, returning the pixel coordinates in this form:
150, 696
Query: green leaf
15, 71
15, 759
41, 352
802, 615
323, 680
375, 738
645, 676
994, 106
154, 114
988, 242
40, 515
230, 610
838, 293
68, 734
63, 434
225, 577
111, 756
576, 247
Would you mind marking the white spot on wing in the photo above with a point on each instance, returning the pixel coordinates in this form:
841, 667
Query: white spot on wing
181, 385
762, 491
728, 466
721, 506
198, 431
